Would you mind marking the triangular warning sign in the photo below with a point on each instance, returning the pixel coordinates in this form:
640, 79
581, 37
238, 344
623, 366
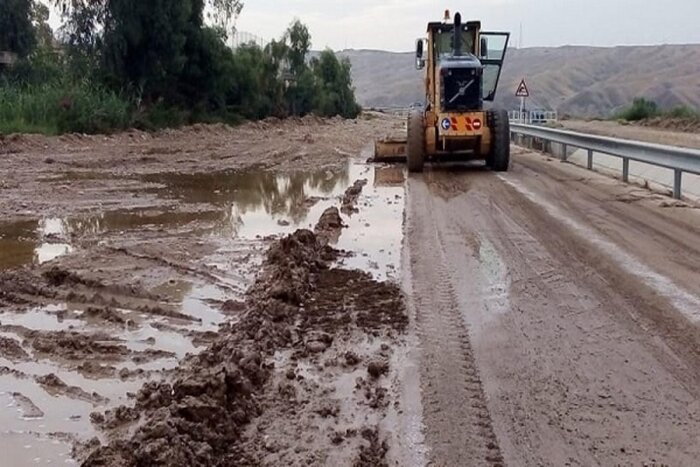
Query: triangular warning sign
522, 90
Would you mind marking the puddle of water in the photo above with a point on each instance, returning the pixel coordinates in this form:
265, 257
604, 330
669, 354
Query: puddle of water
17, 243
23, 449
169, 341
61, 414
241, 205
375, 233
32, 242
41, 319
113, 389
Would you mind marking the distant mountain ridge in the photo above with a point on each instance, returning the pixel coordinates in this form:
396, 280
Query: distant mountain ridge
575, 80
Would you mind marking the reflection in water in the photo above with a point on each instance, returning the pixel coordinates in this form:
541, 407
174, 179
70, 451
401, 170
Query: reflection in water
235, 204
17, 243
249, 195
49, 251
32, 242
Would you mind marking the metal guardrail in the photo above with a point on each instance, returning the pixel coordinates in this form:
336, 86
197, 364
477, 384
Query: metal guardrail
678, 159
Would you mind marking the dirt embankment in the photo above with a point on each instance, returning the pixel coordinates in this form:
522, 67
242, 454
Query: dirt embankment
674, 124
301, 374
653, 131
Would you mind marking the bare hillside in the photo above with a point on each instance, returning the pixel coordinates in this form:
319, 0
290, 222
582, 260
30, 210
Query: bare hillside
581, 81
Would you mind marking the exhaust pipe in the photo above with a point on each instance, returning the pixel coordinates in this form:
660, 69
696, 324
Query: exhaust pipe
457, 39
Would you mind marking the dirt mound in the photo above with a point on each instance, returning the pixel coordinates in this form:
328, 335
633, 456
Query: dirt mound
199, 417
74, 345
329, 226
55, 386
21, 288
57, 277
370, 305
351, 196
12, 350
28, 408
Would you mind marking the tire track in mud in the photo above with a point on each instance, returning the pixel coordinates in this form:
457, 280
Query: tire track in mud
583, 363
458, 423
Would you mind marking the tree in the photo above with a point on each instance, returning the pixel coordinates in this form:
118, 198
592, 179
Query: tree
336, 96
16, 28
160, 50
299, 40
42, 29
301, 88
88, 16
144, 44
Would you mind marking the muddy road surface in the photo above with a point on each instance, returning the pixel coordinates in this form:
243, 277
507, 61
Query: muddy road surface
262, 296
558, 317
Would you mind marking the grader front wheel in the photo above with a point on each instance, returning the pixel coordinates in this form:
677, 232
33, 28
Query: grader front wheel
499, 158
415, 147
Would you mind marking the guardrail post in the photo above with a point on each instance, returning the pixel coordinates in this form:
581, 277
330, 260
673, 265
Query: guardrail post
625, 169
564, 149
677, 176
590, 160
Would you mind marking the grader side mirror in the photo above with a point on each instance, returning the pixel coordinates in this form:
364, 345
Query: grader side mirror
484, 50
420, 61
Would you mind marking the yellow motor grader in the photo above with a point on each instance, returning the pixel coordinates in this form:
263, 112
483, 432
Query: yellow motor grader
462, 67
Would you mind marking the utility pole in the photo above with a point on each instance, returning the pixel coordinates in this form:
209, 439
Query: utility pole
520, 38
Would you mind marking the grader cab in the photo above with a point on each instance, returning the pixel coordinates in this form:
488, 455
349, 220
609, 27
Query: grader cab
462, 67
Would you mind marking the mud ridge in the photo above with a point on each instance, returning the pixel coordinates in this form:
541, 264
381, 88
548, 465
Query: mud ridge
199, 416
351, 196
55, 386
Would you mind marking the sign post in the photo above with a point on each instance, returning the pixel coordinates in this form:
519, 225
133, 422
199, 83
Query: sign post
523, 93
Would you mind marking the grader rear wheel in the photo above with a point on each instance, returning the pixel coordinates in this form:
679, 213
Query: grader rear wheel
415, 147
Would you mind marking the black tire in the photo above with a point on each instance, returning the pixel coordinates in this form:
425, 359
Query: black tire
415, 143
499, 157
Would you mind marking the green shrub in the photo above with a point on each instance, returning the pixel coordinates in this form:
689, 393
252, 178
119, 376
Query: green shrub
640, 109
683, 112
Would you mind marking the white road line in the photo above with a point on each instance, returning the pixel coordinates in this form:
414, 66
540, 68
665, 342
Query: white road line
685, 302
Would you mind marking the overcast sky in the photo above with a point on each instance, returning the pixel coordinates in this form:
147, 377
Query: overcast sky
395, 24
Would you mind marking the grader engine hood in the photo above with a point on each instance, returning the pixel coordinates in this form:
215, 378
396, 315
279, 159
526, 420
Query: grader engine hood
461, 84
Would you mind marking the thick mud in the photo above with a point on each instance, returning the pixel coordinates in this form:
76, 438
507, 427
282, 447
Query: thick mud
136, 267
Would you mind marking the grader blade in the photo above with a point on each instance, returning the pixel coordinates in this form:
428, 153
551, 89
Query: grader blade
389, 150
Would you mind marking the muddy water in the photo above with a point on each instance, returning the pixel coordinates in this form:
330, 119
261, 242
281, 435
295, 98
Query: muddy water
235, 211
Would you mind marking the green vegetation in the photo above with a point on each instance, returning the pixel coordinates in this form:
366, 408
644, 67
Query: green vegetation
644, 109
684, 112
57, 107
153, 64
